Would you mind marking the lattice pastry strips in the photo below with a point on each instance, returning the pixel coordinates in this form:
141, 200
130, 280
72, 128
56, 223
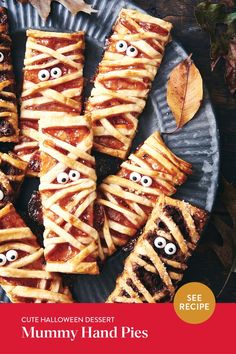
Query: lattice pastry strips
22, 270
53, 84
9, 131
126, 199
12, 174
131, 60
159, 258
68, 190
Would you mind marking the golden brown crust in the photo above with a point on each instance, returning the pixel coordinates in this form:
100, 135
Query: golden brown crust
156, 265
9, 131
68, 191
22, 266
126, 199
52, 88
124, 79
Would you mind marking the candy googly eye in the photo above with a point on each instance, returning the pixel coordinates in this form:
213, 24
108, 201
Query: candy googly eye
74, 175
135, 177
1, 57
12, 255
170, 248
1, 195
132, 51
146, 181
62, 178
43, 75
56, 73
121, 46
160, 242
3, 260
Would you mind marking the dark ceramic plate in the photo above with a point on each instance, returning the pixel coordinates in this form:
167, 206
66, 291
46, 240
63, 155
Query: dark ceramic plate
197, 142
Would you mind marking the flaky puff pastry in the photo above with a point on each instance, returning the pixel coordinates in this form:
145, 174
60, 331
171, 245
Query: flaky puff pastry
52, 87
157, 263
132, 57
22, 265
68, 191
9, 131
126, 200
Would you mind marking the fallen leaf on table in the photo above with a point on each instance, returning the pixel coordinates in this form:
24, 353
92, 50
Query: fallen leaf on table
44, 6
184, 91
219, 21
228, 197
227, 251
229, 3
230, 66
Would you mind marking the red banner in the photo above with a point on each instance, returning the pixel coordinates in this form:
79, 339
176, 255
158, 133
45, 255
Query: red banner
112, 328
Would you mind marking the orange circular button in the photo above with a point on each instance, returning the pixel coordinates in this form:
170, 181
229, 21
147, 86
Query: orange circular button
194, 303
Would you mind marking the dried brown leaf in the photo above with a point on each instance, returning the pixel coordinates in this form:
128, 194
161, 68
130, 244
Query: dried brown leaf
225, 253
228, 197
184, 91
230, 66
74, 6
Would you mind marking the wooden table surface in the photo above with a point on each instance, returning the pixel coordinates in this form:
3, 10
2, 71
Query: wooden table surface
205, 266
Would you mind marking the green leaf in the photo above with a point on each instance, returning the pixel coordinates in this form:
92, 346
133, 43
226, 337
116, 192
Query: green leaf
219, 21
208, 15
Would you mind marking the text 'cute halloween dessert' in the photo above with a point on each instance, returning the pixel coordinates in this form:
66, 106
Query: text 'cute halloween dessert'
132, 57
125, 200
68, 191
52, 87
156, 265
22, 265
9, 131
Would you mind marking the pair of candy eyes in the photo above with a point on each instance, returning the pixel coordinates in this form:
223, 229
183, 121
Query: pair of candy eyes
54, 73
64, 177
122, 47
169, 248
146, 181
10, 256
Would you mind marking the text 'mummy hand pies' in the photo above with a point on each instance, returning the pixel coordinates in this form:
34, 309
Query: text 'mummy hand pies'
132, 57
125, 200
22, 265
156, 265
9, 131
68, 191
52, 87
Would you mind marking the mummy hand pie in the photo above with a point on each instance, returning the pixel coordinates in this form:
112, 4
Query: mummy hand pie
156, 265
9, 131
68, 191
52, 88
12, 174
22, 265
132, 57
126, 199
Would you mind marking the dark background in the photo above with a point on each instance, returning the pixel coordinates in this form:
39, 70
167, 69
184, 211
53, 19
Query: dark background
205, 266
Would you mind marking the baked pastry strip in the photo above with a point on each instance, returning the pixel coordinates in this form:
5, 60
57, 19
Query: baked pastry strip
52, 87
12, 174
22, 265
132, 57
157, 263
68, 192
9, 131
126, 200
